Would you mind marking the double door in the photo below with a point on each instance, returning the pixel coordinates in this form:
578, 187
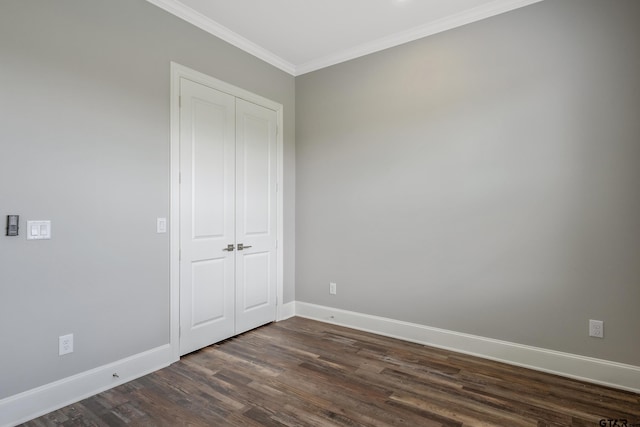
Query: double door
227, 215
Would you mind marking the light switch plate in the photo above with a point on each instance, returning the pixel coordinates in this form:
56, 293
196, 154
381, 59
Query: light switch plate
161, 225
38, 230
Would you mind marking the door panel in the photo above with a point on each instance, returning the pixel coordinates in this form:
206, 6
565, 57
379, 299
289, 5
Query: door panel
207, 216
209, 170
256, 269
255, 215
208, 285
254, 157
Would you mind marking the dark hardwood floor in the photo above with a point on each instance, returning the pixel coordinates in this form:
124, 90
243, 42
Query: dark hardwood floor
305, 373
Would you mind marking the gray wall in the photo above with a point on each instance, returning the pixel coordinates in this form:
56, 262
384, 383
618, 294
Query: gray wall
482, 180
84, 142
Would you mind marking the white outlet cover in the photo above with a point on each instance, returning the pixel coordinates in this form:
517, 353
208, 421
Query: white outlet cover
596, 328
65, 344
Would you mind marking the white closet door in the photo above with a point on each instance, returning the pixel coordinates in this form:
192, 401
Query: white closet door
228, 216
207, 216
256, 221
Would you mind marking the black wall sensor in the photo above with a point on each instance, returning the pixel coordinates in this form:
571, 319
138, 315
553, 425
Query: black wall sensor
12, 225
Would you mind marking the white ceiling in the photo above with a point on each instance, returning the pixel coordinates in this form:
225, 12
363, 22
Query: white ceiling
299, 36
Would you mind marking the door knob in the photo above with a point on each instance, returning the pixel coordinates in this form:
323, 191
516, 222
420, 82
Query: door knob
230, 248
241, 246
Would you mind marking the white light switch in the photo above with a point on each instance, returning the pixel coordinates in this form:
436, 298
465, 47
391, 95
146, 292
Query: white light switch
161, 225
39, 230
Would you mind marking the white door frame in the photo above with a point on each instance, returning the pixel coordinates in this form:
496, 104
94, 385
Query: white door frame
177, 72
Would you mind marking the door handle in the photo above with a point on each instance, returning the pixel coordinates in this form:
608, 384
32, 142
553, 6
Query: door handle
241, 246
230, 248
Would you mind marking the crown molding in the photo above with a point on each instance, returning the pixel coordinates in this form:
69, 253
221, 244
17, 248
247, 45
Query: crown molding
201, 21
479, 13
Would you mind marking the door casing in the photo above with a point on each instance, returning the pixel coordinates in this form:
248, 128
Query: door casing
178, 71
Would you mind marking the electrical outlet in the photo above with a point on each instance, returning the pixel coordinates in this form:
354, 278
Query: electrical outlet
332, 288
65, 344
596, 328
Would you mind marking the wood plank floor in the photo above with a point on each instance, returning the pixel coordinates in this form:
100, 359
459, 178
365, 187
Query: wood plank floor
305, 373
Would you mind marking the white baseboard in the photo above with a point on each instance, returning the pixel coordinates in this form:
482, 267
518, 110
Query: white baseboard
42, 400
603, 372
286, 311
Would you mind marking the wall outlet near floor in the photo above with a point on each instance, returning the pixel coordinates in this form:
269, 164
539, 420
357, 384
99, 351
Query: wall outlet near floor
596, 328
332, 288
65, 344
